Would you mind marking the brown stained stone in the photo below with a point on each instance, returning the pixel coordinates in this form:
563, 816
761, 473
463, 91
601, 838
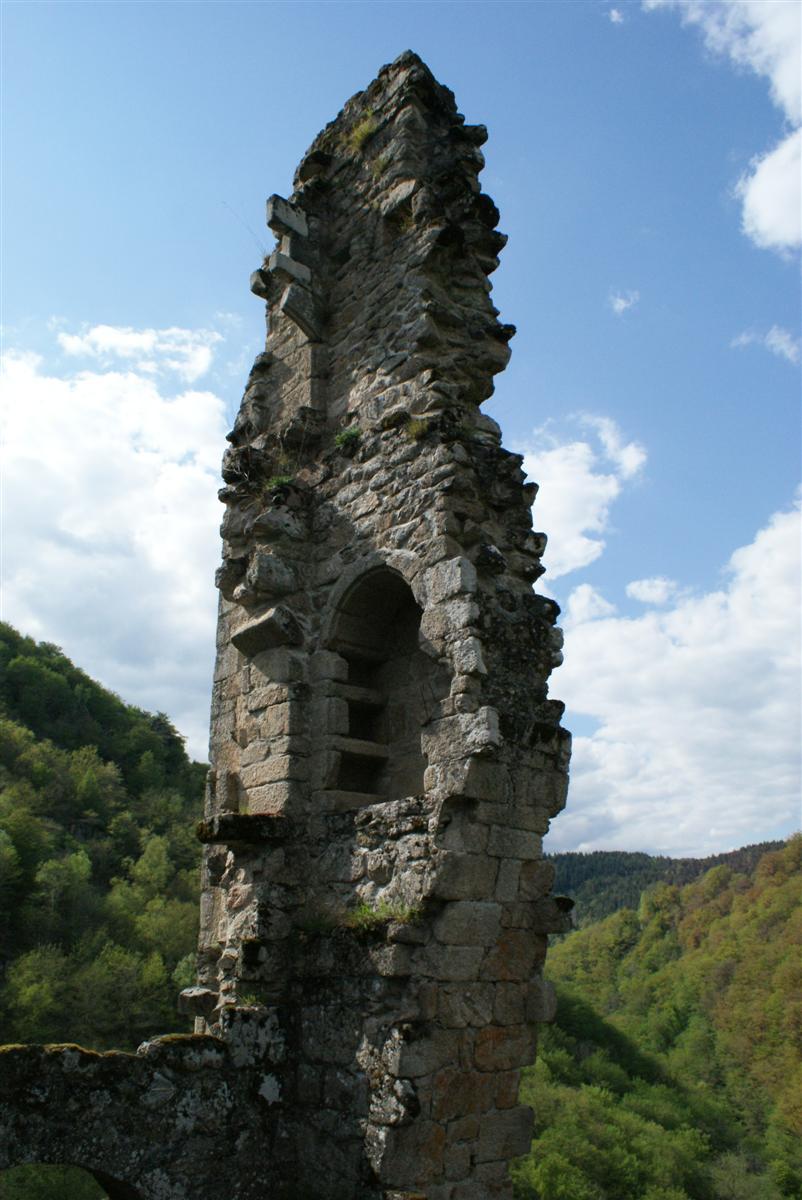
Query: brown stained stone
508, 1085
513, 956
509, 1006
504, 1049
460, 1093
415, 1153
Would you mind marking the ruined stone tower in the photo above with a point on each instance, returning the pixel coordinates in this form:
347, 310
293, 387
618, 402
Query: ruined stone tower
385, 758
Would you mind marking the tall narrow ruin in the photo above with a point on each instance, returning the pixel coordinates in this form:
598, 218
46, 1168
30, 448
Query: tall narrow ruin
385, 757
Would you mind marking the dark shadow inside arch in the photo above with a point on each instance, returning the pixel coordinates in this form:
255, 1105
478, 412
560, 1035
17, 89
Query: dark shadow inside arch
62, 1181
392, 690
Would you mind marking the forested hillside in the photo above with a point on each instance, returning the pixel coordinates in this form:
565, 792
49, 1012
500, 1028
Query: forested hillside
674, 1071
98, 858
603, 881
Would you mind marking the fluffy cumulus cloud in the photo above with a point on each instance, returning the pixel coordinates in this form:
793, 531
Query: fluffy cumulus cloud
111, 515
778, 340
657, 590
579, 481
696, 707
765, 37
185, 352
616, 16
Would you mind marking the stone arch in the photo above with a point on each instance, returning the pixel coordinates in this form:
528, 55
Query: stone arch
392, 686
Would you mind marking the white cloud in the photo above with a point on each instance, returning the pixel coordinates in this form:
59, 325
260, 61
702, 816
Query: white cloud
657, 590
586, 603
579, 480
186, 352
628, 457
772, 196
621, 302
765, 37
698, 711
616, 16
778, 340
110, 528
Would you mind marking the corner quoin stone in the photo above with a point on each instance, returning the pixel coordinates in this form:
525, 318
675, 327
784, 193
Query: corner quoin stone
385, 755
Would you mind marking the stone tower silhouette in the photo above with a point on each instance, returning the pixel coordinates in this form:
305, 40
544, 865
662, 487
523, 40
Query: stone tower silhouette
385, 758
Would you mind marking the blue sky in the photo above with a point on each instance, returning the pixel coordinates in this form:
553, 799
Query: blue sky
645, 159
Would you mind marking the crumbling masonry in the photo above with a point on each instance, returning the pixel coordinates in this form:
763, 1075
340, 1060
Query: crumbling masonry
385, 758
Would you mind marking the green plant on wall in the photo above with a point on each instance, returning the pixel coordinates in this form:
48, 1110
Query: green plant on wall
347, 437
416, 428
361, 133
366, 916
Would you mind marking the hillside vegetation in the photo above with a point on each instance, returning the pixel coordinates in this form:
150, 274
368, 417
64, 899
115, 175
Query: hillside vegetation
98, 858
674, 1070
603, 881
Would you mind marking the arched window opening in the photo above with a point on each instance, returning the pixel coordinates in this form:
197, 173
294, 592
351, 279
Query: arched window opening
60, 1181
392, 688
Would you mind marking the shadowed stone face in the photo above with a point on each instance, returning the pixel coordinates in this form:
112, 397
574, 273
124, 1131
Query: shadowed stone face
385, 757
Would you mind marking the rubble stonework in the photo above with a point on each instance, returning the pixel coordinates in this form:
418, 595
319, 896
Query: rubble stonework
385, 757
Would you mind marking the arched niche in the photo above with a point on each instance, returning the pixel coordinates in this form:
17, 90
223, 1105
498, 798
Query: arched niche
392, 689
62, 1181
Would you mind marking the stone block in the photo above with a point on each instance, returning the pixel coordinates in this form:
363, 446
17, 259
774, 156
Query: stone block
197, 1001
468, 923
393, 962
504, 1135
467, 657
462, 833
458, 1093
425, 1055
457, 1161
454, 577
413, 1154
276, 627
513, 957
272, 798
508, 880
450, 963
509, 1007
300, 306
469, 1005
465, 877
537, 879
285, 218
513, 843
274, 769
324, 664
504, 1049
508, 1085
266, 696
270, 575
289, 268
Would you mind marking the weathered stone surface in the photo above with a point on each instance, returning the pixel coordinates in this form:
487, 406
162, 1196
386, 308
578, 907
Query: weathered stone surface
385, 758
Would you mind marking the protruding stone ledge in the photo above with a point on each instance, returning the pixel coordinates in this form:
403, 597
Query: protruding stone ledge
300, 306
284, 218
276, 627
197, 1001
289, 269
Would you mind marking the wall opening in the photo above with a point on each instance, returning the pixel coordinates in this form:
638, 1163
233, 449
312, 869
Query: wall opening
392, 688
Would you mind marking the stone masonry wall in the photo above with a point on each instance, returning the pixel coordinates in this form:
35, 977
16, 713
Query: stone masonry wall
385, 757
